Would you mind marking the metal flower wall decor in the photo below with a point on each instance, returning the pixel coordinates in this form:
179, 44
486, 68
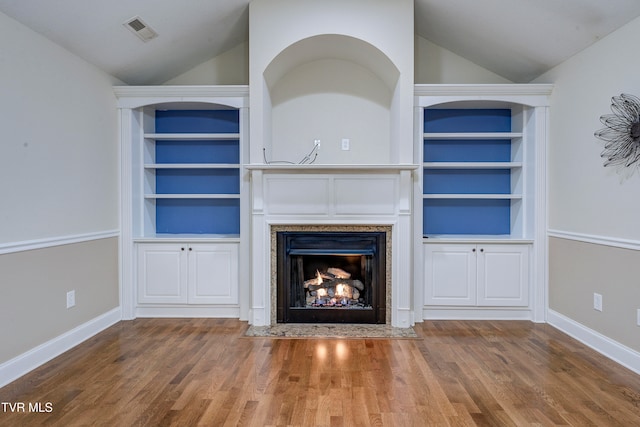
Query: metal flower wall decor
621, 133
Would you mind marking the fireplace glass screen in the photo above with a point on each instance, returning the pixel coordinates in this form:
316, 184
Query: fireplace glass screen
331, 277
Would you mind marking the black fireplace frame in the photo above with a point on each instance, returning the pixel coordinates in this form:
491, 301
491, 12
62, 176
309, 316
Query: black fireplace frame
367, 243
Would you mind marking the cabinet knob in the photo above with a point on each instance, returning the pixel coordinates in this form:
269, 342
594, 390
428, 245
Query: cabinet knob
482, 250
473, 250
182, 249
190, 249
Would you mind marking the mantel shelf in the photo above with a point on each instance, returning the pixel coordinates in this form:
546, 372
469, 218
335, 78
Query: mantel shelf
331, 167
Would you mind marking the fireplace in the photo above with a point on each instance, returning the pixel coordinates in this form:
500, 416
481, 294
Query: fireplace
332, 198
331, 276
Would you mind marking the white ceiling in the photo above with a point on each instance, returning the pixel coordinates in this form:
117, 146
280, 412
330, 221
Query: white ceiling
517, 39
520, 39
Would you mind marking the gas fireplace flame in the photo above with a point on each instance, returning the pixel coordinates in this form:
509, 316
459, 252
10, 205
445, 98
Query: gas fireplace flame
333, 288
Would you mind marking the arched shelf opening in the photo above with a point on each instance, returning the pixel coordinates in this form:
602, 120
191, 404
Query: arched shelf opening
188, 105
331, 88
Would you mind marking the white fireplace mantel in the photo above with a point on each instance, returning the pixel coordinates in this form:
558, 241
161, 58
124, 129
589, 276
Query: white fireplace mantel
332, 195
285, 167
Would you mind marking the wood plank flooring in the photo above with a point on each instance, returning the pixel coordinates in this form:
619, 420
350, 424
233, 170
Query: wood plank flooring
187, 372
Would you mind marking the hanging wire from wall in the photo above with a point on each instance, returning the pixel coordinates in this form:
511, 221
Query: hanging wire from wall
621, 133
308, 159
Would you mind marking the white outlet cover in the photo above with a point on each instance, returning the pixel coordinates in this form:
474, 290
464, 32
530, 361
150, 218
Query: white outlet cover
71, 299
597, 302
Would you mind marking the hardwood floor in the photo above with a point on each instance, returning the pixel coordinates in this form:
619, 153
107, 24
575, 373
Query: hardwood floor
156, 372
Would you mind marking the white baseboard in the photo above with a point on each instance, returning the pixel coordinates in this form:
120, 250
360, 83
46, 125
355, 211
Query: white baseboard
448, 313
26, 362
615, 351
188, 312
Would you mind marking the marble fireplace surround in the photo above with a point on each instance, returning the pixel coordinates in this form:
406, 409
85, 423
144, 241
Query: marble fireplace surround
311, 228
331, 198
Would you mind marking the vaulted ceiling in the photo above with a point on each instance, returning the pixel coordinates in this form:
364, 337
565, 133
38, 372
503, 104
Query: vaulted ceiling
517, 39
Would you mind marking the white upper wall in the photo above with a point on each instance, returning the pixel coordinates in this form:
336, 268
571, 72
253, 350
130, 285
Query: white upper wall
436, 65
59, 153
433, 65
229, 68
287, 34
331, 76
584, 196
277, 24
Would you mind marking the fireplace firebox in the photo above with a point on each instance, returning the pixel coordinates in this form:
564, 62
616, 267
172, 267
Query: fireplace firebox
331, 277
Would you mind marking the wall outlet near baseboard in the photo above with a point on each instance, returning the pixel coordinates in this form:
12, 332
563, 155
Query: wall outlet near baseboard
71, 299
597, 302
638, 318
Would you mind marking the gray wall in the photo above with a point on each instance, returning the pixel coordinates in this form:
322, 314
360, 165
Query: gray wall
593, 210
579, 269
34, 287
58, 180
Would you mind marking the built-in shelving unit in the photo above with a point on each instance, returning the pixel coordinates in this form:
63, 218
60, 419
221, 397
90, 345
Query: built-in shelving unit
192, 172
472, 176
184, 188
480, 199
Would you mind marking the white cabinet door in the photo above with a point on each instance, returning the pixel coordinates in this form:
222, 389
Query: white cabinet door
483, 275
450, 274
162, 273
503, 272
213, 274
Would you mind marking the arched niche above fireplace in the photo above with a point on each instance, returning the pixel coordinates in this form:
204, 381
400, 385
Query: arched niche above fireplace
330, 88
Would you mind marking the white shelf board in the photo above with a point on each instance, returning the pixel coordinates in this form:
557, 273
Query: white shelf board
169, 237
474, 238
472, 135
191, 166
191, 136
472, 196
191, 196
472, 165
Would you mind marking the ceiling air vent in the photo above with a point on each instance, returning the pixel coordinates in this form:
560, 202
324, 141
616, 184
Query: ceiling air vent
140, 29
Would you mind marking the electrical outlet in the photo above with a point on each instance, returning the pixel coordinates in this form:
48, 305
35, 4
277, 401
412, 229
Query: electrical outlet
597, 302
346, 144
316, 142
71, 299
638, 317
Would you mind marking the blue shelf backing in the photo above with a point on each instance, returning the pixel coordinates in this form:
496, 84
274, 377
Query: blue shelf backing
467, 216
197, 181
467, 181
467, 120
194, 215
200, 151
198, 216
467, 150
197, 121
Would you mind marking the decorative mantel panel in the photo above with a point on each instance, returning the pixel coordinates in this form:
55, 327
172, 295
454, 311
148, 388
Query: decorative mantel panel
332, 195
